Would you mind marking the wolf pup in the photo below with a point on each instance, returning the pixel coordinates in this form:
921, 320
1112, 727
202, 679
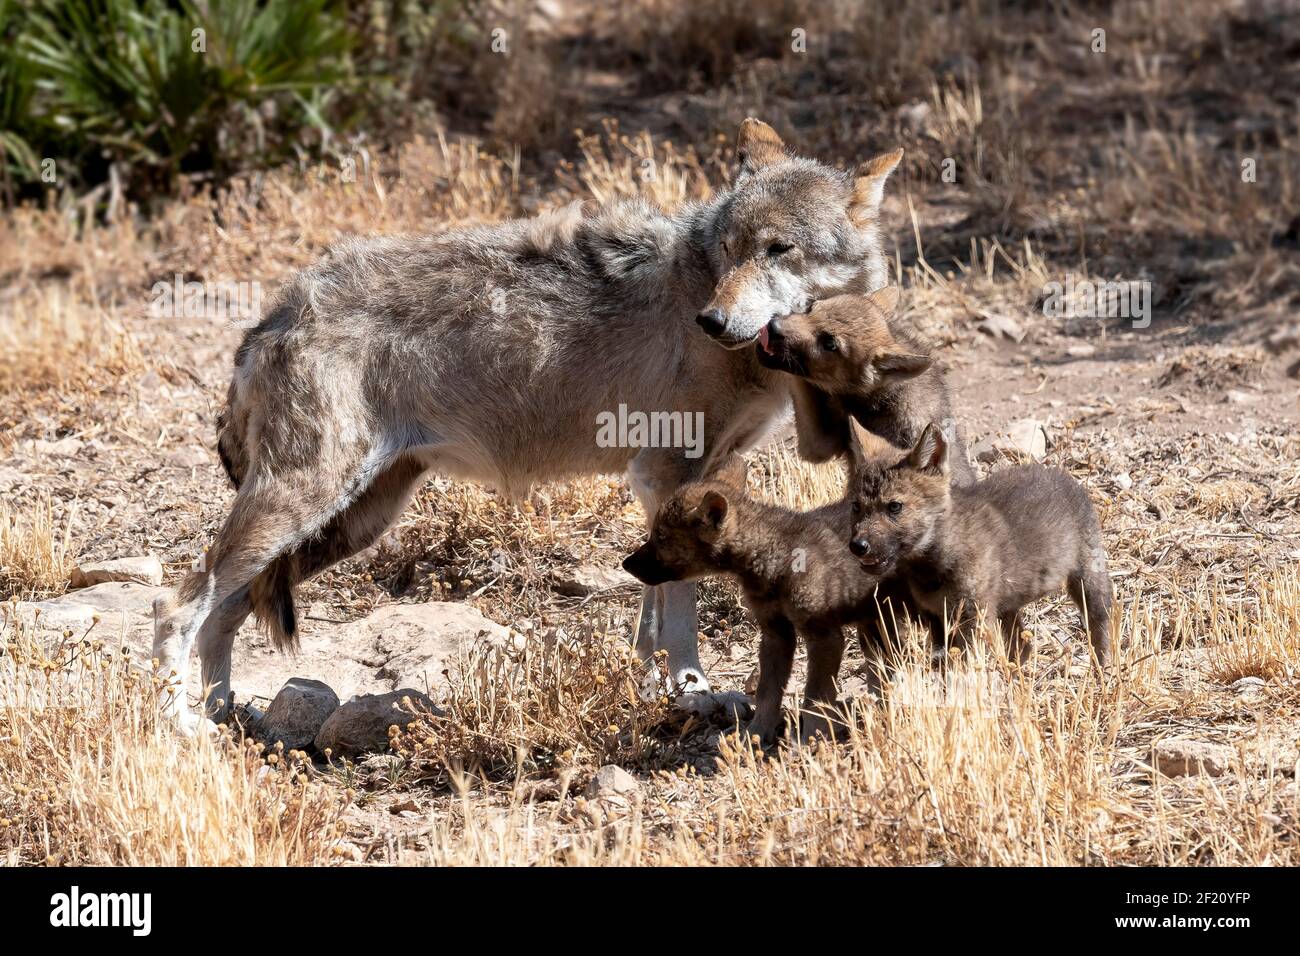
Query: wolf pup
795, 574
853, 356
994, 546
491, 353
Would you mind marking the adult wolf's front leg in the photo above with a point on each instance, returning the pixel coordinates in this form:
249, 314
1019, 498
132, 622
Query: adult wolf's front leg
678, 635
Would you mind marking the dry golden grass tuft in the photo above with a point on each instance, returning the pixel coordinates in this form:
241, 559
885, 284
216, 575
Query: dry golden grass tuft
91, 777
549, 705
36, 550
58, 348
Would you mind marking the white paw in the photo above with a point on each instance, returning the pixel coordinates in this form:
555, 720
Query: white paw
687, 681
728, 707
691, 681
190, 725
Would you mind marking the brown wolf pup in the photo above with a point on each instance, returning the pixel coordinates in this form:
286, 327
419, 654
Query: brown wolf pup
995, 546
854, 356
795, 574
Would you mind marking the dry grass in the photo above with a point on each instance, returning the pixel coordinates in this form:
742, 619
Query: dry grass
92, 778
36, 550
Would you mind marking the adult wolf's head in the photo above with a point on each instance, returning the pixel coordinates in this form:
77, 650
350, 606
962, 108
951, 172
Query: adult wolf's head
793, 231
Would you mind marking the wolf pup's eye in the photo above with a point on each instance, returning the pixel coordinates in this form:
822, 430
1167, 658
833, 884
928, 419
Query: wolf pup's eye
857, 508
895, 507
778, 249
828, 342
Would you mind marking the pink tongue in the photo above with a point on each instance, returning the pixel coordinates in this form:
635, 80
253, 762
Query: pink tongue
762, 340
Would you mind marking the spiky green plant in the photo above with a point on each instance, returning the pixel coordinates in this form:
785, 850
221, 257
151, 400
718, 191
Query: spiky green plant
166, 87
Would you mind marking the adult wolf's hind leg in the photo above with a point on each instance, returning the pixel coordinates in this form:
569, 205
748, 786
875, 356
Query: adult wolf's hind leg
1091, 591
352, 530
269, 516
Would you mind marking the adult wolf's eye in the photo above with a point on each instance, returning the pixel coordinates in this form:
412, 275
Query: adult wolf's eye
778, 249
828, 342
895, 507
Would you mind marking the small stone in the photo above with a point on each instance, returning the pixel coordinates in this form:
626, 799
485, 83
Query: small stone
592, 579
1237, 397
1180, 758
63, 448
297, 713
1248, 687
1000, 326
1023, 438
1028, 437
1081, 351
1124, 481
361, 725
145, 569
613, 781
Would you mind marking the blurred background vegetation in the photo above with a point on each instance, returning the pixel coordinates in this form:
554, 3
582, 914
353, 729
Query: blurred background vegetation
143, 94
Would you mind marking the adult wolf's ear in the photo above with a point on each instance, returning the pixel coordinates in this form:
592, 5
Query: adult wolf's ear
758, 145
869, 186
820, 423
931, 450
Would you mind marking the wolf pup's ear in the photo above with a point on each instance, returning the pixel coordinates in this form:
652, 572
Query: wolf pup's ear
896, 366
869, 186
866, 447
758, 145
820, 423
714, 508
886, 300
931, 450
733, 471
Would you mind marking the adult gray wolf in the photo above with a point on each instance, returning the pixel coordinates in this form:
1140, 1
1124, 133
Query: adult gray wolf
487, 353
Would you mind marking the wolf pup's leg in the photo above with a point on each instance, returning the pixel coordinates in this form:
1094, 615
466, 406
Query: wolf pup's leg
825, 654
775, 661
668, 618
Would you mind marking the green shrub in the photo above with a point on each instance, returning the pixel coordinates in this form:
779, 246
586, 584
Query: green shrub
167, 88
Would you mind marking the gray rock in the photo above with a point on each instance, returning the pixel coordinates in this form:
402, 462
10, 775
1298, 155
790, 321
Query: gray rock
297, 713
1000, 326
1023, 438
125, 609
63, 448
417, 642
1181, 757
612, 780
592, 579
361, 725
145, 569
56, 614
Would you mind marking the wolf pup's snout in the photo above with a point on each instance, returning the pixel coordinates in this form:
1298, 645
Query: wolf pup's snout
643, 565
